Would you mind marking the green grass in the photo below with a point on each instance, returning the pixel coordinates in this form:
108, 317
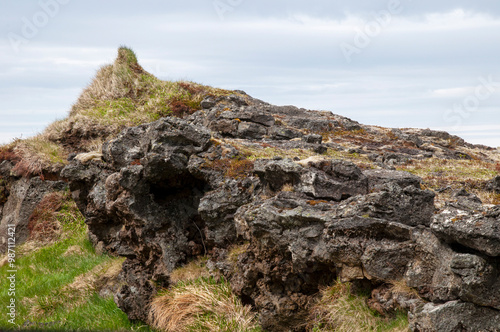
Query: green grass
128, 54
46, 278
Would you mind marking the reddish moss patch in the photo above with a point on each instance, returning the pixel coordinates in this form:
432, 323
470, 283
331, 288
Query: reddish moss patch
43, 224
233, 168
316, 202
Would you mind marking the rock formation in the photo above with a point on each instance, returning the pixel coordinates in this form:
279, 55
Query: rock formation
159, 197
177, 188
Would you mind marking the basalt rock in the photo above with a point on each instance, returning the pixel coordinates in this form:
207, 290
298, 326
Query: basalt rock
175, 189
477, 230
454, 316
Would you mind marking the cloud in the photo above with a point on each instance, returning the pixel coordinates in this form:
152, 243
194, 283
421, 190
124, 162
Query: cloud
286, 52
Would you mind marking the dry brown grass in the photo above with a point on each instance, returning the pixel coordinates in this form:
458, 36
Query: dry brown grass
191, 271
234, 168
399, 287
36, 156
202, 305
288, 187
75, 293
339, 310
51, 220
470, 175
254, 152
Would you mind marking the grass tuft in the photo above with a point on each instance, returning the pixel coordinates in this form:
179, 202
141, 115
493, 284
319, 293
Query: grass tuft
339, 310
205, 304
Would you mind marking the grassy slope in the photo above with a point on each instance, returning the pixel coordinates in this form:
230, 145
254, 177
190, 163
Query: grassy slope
57, 278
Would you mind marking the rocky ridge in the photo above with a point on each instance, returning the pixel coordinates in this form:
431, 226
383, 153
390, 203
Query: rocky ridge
310, 196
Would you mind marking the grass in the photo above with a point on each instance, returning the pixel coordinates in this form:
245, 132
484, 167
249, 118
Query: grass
205, 304
341, 311
236, 168
124, 94
195, 269
57, 281
456, 174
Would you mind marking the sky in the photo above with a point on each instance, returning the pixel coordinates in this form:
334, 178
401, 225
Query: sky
392, 63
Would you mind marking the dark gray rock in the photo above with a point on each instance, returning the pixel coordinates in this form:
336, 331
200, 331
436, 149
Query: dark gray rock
454, 316
494, 184
225, 127
250, 114
250, 130
410, 206
430, 272
478, 230
208, 102
480, 282
332, 179
166, 193
465, 200
283, 133
217, 209
378, 178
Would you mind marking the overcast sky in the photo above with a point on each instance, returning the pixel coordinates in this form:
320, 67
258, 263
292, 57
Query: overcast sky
398, 63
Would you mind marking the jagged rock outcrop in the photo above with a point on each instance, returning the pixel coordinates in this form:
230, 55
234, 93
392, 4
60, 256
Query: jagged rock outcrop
164, 192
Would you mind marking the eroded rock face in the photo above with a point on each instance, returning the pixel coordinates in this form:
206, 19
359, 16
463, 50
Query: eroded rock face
142, 203
166, 192
23, 197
